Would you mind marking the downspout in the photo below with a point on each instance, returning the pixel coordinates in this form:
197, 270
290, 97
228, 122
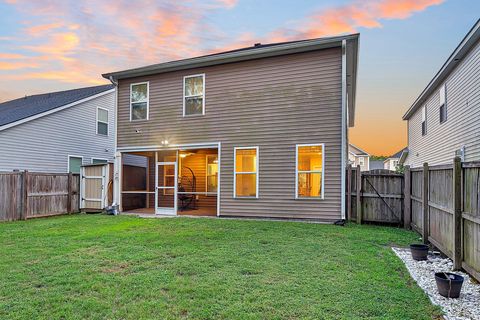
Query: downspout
117, 155
344, 124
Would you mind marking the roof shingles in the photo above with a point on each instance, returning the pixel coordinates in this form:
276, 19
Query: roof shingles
21, 108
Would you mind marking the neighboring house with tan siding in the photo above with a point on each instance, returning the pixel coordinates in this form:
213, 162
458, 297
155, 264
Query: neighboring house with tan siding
358, 158
254, 132
444, 121
59, 131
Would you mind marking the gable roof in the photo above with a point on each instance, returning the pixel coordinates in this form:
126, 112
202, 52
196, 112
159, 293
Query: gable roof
29, 106
262, 51
356, 150
398, 154
472, 37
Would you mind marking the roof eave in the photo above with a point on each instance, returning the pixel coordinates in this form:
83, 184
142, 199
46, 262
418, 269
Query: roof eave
229, 57
472, 37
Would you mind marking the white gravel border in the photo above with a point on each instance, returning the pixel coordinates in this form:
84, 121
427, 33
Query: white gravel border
465, 307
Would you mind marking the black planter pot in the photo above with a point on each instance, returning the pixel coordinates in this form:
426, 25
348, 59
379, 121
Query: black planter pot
419, 251
449, 284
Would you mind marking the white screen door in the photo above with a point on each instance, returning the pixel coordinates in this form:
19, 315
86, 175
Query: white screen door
166, 190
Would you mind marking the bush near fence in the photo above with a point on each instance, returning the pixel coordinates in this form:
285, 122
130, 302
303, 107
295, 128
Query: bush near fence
25, 195
442, 203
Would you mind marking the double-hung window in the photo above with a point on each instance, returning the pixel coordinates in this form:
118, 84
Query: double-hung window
424, 120
245, 183
102, 121
443, 104
139, 103
194, 95
309, 171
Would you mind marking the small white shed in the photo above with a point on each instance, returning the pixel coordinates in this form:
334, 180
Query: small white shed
96, 186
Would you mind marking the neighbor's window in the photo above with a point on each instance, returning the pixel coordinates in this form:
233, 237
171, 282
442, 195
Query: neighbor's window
102, 121
212, 173
246, 172
194, 95
361, 161
74, 164
424, 121
443, 104
309, 171
99, 161
139, 101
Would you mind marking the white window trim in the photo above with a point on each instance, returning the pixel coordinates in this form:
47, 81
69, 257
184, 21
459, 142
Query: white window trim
107, 123
235, 172
68, 161
190, 96
443, 89
424, 119
103, 159
297, 172
361, 161
148, 100
206, 173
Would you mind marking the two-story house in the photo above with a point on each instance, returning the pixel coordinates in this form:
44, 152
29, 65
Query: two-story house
255, 132
358, 158
444, 121
58, 131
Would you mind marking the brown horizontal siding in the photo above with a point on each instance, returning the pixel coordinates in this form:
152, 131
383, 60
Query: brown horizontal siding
273, 103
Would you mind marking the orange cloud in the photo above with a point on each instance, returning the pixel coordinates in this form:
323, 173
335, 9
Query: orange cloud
348, 18
11, 56
15, 65
42, 28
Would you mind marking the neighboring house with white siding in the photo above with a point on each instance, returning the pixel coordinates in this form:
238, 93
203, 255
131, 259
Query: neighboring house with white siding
358, 158
393, 161
59, 131
444, 120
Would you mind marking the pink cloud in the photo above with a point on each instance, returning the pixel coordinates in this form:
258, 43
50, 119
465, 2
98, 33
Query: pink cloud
75, 41
349, 17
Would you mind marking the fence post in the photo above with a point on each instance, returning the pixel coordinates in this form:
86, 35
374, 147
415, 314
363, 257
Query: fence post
359, 193
457, 213
349, 192
69, 197
24, 195
425, 203
407, 209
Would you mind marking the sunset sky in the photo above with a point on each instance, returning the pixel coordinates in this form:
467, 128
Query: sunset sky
53, 45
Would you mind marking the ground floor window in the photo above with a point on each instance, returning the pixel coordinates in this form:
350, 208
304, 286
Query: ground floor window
309, 171
74, 164
245, 183
99, 161
212, 173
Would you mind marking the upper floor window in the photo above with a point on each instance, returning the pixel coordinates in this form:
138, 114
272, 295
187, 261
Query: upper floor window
361, 161
102, 121
424, 120
309, 171
246, 172
139, 103
194, 95
443, 104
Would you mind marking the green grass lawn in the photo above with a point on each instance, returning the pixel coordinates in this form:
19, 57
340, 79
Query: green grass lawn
105, 267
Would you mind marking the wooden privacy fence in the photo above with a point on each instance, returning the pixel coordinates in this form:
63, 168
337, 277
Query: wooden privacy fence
374, 196
442, 203
26, 195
